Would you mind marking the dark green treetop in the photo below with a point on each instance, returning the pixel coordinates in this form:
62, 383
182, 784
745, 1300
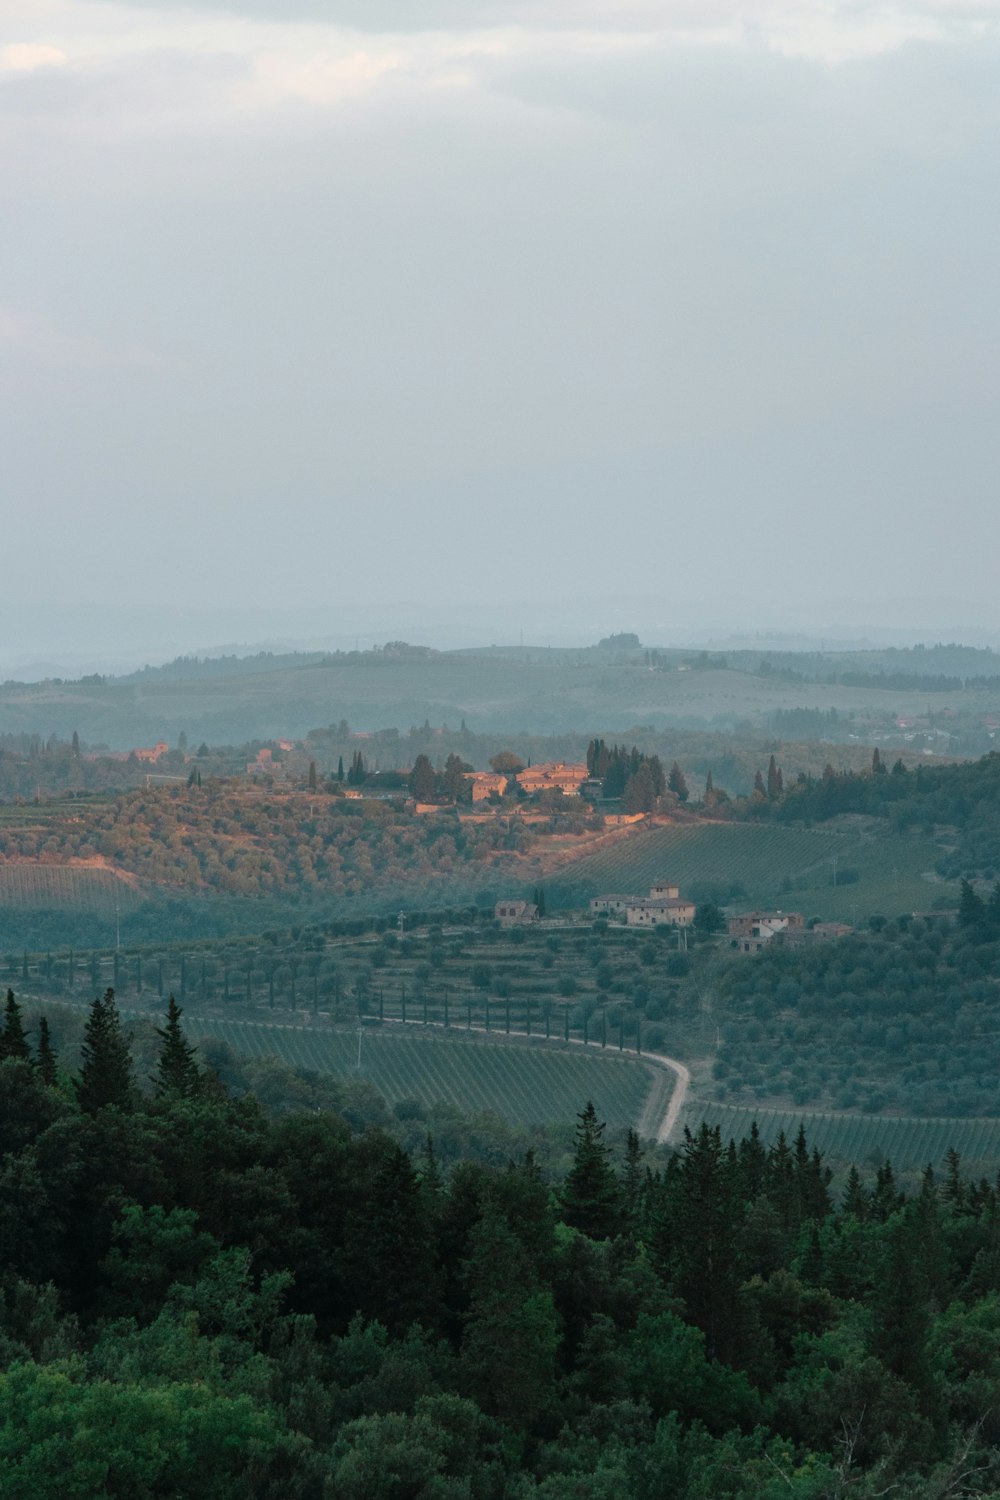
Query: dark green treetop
13, 1042
106, 1072
591, 1198
176, 1070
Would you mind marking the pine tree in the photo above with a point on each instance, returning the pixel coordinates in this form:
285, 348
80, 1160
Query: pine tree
45, 1057
177, 1072
591, 1199
855, 1197
340, 768
106, 1072
632, 1178
971, 907
13, 1042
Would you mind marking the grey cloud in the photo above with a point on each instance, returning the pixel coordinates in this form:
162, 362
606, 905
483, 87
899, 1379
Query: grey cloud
429, 15
689, 325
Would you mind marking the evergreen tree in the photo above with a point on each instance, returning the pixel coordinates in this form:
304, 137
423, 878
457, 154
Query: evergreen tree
709, 918
455, 783
106, 1072
13, 1042
340, 768
709, 787
422, 779
45, 1057
176, 1071
707, 1222
971, 907
676, 783
759, 789
510, 1333
878, 764
312, 775
773, 780
591, 1199
639, 796
632, 1178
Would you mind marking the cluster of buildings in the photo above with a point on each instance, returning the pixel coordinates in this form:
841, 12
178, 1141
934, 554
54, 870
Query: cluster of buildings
145, 754
550, 776
663, 907
666, 907
756, 929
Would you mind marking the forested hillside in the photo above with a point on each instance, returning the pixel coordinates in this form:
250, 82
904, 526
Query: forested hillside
197, 1300
962, 801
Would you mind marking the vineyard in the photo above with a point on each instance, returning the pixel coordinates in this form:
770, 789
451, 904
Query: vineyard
863, 1139
525, 1085
28, 886
829, 872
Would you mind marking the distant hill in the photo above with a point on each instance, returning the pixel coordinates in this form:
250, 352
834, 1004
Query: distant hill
608, 688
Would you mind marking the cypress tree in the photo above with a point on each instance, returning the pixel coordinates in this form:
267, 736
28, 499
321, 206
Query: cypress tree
676, 782
176, 1071
13, 1042
106, 1074
45, 1057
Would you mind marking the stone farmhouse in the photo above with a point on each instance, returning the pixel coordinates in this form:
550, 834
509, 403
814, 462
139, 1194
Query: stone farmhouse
754, 930
663, 907
553, 776
515, 913
485, 783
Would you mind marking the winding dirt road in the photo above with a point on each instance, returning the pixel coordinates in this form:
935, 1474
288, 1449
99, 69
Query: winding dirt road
663, 1128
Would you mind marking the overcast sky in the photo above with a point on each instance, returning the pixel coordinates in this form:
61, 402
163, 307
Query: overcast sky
308, 304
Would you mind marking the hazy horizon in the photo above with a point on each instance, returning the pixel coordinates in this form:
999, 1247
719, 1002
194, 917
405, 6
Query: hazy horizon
71, 644
670, 317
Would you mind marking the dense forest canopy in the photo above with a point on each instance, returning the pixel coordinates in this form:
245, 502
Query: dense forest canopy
198, 1299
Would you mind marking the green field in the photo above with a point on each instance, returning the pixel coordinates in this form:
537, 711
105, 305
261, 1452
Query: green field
774, 865
862, 1139
526, 1085
31, 886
